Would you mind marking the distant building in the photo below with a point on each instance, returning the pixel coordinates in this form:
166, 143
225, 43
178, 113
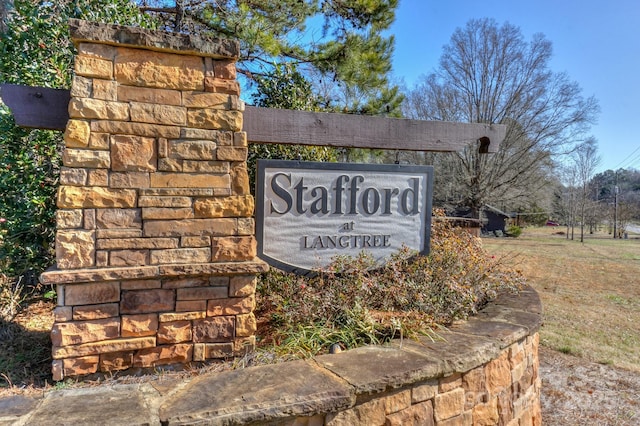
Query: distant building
492, 220
495, 219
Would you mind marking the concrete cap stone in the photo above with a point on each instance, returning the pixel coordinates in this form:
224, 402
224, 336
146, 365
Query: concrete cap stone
124, 405
372, 369
255, 394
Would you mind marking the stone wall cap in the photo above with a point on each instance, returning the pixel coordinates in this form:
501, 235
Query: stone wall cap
72, 276
163, 41
361, 367
256, 394
457, 352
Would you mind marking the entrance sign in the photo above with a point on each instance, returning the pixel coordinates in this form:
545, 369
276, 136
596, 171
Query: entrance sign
307, 213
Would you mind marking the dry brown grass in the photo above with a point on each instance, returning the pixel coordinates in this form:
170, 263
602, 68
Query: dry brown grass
590, 291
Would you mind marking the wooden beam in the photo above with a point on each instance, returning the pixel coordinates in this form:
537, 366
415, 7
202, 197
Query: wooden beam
37, 107
269, 125
44, 108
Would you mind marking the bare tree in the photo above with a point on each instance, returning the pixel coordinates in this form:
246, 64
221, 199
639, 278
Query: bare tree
490, 74
586, 161
569, 196
626, 211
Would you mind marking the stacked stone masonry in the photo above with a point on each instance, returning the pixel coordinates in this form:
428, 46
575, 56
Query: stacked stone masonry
154, 176
504, 391
484, 371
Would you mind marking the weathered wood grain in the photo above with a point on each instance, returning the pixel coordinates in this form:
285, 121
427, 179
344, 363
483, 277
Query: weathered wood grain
37, 107
269, 125
44, 108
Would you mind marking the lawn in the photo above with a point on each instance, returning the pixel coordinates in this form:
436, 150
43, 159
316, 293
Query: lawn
590, 291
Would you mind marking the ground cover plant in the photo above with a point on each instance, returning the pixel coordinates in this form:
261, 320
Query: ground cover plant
352, 304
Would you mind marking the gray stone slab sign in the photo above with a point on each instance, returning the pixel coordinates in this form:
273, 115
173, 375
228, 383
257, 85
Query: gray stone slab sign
308, 213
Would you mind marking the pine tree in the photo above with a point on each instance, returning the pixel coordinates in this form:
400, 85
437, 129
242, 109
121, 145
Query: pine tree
337, 44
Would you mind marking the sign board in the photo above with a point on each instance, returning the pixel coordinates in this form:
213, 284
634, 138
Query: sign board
307, 213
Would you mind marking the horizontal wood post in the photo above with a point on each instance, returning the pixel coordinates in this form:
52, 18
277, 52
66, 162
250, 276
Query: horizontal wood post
270, 125
44, 108
37, 107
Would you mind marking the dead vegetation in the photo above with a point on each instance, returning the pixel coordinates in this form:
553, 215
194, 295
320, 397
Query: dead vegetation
25, 348
590, 292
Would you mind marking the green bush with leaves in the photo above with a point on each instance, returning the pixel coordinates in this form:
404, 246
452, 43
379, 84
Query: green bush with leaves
36, 50
353, 303
514, 231
29, 163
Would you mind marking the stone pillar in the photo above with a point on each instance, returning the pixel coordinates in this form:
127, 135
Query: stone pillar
155, 243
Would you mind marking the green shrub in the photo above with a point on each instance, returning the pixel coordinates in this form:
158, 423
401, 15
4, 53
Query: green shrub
29, 165
353, 304
514, 231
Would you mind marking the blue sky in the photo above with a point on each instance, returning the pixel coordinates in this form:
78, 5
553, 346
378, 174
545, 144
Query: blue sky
597, 43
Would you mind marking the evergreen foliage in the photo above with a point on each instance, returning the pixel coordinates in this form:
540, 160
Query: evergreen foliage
338, 44
286, 88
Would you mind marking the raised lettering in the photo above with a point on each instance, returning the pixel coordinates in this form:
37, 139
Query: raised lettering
362, 199
388, 195
413, 193
352, 193
338, 193
300, 188
317, 241
281, 193
369, 206
321, 203
345, 241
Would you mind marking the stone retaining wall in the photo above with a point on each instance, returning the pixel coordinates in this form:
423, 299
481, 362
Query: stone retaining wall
479, 372
155, 243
